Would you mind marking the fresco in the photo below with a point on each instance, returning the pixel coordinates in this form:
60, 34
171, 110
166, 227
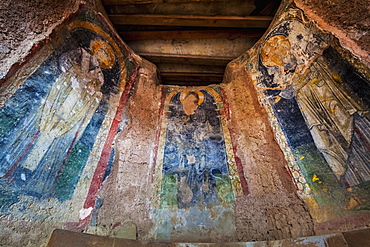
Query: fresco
197, 177
318, 101
60, 111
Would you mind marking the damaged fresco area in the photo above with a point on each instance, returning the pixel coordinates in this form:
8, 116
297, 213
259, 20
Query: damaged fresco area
196, 174
58, 117
318, 100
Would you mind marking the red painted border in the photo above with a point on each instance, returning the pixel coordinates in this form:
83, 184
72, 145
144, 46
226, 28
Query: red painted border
107, 149
105, 155
158, 134
238, 161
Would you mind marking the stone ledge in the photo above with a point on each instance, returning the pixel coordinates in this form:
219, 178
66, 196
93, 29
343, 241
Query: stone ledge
64, 238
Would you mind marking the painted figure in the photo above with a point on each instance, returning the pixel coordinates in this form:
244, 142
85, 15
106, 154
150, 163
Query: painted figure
336, 121
70, 103
195, 190
62, 117
195, 150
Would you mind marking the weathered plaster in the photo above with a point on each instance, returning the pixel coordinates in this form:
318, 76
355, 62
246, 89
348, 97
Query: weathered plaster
281, 200
25, 23
60, 114
127, 191
348, 21
302, 74
268, 211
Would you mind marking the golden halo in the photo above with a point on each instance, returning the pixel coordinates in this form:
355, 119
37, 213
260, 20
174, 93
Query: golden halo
183, 95
103, 53
274, 49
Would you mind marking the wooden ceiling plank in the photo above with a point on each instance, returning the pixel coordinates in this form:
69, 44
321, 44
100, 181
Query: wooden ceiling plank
187, 68
124, 2
188, 75
190, 81
202, 8
186, 59
197, 21
189, 34
193, 83
191, 78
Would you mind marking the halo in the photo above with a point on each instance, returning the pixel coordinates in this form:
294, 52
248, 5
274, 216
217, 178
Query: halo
268, 50
183, 95
103, 52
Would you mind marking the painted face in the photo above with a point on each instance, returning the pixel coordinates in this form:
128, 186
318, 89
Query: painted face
103, 58
190, 104
276, 51
103, 52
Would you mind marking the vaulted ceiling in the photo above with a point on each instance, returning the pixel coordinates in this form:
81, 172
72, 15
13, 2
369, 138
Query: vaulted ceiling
190, 41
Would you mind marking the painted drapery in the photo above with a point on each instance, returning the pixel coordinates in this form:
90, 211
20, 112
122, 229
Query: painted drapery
317, 97
58, 111
196, 174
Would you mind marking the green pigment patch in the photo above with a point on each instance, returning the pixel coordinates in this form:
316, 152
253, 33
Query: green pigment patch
319, 176
224, 189
169, 191
71, 172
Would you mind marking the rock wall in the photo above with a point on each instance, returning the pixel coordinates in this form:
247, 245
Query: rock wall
60, 112
25, 23
272, 209
127, 191
108, 165
346, 21
316, 95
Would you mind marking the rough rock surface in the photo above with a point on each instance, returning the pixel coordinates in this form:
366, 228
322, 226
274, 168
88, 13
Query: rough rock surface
272, 210
24, 23
127, 192
348, 20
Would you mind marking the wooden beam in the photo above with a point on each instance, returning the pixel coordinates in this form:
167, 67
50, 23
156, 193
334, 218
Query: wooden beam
203, 8
193, 83
197, 21
190, 79
123, 2
189, 34
190, 68
186, 59
188, 76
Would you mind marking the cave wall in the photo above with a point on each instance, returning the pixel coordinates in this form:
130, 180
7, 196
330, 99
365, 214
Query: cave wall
316, 94
107, 168
346, 21
24, 24
192, 177
60, 112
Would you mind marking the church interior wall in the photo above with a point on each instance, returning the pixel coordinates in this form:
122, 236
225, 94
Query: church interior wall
92, 142
315, 93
